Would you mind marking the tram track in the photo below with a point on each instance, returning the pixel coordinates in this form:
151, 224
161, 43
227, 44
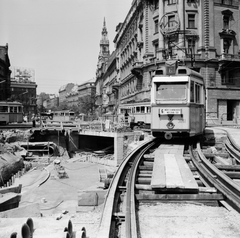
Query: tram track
133, 188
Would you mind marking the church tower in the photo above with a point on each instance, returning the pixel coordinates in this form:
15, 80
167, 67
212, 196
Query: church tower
104, 42
104, 51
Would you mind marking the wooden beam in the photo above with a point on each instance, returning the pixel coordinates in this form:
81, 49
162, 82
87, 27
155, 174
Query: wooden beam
181, 197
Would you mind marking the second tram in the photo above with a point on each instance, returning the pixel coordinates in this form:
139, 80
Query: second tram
11, 112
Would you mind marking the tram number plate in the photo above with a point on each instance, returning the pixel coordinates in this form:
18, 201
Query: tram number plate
166, 111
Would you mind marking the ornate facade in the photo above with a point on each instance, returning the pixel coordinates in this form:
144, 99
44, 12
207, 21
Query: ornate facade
203, 35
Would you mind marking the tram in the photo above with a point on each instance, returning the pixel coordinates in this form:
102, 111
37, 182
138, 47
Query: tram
62, 115
177, 103
135, 114
11, 112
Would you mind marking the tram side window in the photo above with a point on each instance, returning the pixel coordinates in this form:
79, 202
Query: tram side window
192, 92
11, 109
14, 109
134, 110
19, 109
148, 109
3, 109
197, 93
138, 109
142, 109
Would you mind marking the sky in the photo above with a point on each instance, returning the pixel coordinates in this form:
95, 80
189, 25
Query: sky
58, 39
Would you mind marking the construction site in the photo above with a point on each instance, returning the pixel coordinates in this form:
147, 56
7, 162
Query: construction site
54, 179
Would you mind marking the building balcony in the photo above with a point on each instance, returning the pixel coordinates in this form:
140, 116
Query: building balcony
233, 57
227, 33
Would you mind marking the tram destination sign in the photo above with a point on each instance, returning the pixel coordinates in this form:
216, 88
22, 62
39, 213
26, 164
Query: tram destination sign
172, 111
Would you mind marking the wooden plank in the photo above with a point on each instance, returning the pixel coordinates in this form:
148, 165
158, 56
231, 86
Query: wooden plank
159, 174
228, 167
237, 181
180, 197
173, 174
186, 174
171, 149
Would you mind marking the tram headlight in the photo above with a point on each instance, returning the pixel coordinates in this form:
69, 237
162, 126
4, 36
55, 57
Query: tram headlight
170, 125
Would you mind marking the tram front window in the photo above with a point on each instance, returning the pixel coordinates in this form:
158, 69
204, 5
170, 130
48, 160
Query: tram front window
171, 91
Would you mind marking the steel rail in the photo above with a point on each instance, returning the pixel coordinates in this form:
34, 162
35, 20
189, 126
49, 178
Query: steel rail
232, 149
108, 209
217, 178
130, 215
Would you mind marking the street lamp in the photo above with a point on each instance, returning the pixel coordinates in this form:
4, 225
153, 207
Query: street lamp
3, 81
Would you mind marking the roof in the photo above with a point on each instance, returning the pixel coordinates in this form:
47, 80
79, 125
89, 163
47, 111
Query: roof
88, 81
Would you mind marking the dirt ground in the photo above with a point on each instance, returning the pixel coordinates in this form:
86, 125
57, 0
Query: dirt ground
188, 221
47, 203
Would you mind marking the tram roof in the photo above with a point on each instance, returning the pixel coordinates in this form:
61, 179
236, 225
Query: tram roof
5, 103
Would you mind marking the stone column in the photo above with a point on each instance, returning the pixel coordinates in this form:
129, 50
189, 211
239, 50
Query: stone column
118, 148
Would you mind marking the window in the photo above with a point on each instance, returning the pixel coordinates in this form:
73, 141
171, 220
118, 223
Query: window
192, 92
197, 93
171, 21
191, 1
228, 77
226, 20
227, 2
156, 49
226, 45
171, 91
3, 109
191, 45
191, 20
156, 26
138, 109
171, 2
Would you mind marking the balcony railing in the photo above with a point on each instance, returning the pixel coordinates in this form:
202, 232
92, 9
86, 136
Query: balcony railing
229, 57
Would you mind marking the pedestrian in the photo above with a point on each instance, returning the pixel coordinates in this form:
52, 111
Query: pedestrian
126, 115
33, 121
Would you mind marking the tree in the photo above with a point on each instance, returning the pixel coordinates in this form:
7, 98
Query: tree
63, 106
87, 104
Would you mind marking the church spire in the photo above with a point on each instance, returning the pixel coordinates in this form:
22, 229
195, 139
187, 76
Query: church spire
104, 43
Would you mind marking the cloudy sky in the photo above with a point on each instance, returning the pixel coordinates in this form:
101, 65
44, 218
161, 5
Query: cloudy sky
58, 39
